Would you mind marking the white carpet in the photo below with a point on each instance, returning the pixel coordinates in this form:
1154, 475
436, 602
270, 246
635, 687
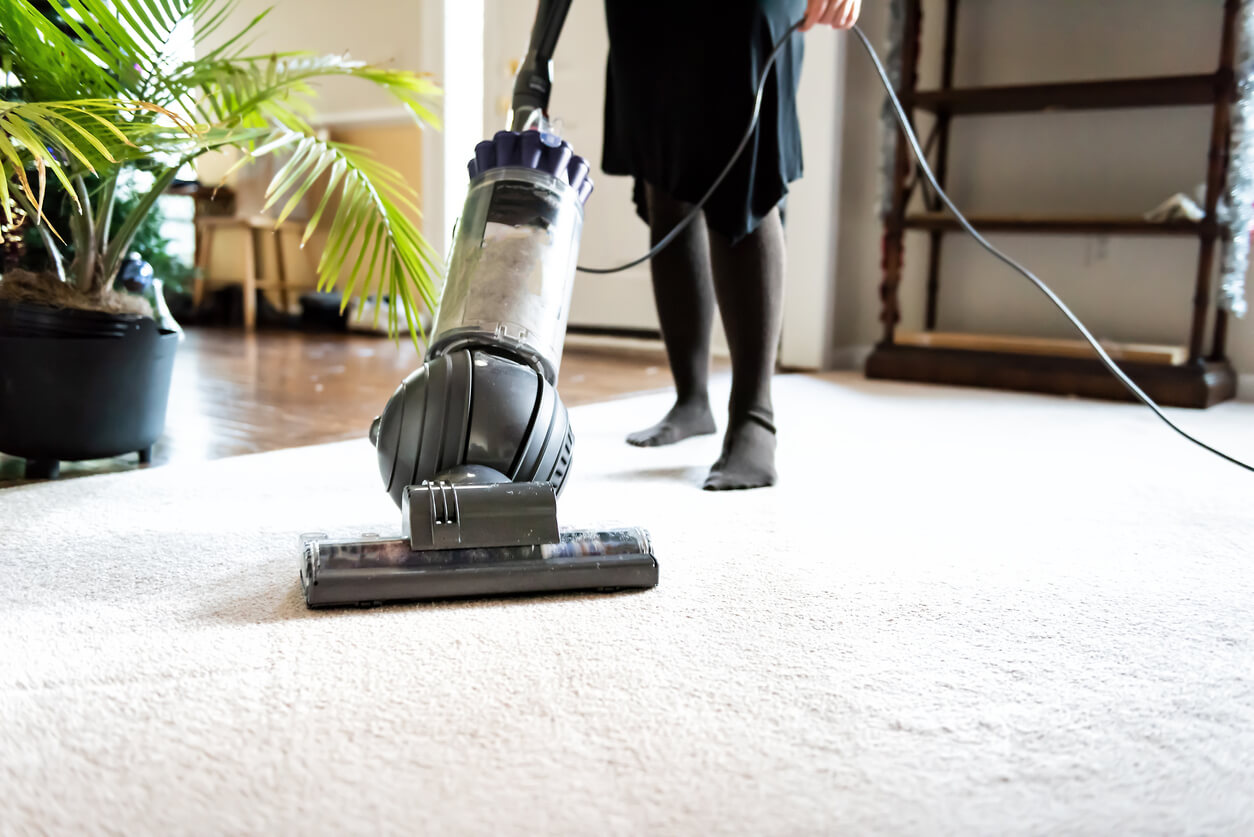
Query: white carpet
961, 612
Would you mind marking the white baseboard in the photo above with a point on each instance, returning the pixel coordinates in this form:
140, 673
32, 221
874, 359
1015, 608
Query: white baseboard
1245, 388
605, 341
851, 357
718, 344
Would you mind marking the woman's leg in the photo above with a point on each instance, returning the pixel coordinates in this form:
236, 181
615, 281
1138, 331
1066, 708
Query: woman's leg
749, 281
684, 294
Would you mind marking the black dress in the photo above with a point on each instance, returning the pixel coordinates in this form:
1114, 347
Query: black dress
679, 95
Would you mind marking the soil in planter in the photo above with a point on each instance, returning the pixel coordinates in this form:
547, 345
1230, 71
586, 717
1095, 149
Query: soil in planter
46, 289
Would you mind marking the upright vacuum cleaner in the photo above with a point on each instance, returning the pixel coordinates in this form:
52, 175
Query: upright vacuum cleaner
475, 446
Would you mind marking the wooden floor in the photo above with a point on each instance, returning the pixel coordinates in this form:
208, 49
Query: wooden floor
234, 394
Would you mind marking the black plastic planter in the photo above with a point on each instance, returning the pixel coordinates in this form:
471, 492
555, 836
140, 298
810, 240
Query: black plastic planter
80, 385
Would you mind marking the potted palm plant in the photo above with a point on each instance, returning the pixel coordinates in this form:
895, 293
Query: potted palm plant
92, 91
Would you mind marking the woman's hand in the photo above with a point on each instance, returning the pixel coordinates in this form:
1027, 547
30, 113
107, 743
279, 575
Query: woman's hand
841, 14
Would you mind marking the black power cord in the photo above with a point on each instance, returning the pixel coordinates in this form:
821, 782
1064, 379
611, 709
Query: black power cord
904, 121
744, 141
1105, 358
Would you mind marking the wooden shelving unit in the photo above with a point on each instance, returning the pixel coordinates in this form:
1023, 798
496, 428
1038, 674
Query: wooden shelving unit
1163, 91
1203, 377
1131, 225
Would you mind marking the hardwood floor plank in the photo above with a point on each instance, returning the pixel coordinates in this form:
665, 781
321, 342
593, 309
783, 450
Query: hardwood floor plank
235, 393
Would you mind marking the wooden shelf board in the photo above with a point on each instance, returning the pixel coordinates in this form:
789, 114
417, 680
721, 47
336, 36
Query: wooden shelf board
1195, 385
1160, 91
1052, 347
1093, 225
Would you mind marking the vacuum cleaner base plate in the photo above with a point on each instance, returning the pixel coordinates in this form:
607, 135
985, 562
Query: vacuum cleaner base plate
372, 570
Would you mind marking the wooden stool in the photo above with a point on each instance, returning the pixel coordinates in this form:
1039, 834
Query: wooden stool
253, 228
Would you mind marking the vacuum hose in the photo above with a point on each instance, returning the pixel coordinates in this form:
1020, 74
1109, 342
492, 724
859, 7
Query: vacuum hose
534, 82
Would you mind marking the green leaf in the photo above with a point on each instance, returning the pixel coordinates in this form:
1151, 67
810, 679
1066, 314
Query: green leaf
337, 173
155, 11
314, 171
223, 50
379, 240
29, 139
355, 272
5, 200
116, 249
53, 135
150, 25
17, 165
354, 205
52, 132
283, 179
48, 63
104, 37
130, 15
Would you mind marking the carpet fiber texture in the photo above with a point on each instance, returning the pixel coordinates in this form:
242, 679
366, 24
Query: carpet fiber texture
959, 612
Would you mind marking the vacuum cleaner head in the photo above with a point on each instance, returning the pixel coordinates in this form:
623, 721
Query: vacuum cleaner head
370, 571
474, 539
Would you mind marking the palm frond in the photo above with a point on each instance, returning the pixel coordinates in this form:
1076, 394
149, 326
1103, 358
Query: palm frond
372, 209
249, 90
48, 63
66, 138
119, 47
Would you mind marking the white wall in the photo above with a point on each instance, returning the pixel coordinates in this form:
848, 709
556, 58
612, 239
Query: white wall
378, 31
815, 216
1118, 162
452, 40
